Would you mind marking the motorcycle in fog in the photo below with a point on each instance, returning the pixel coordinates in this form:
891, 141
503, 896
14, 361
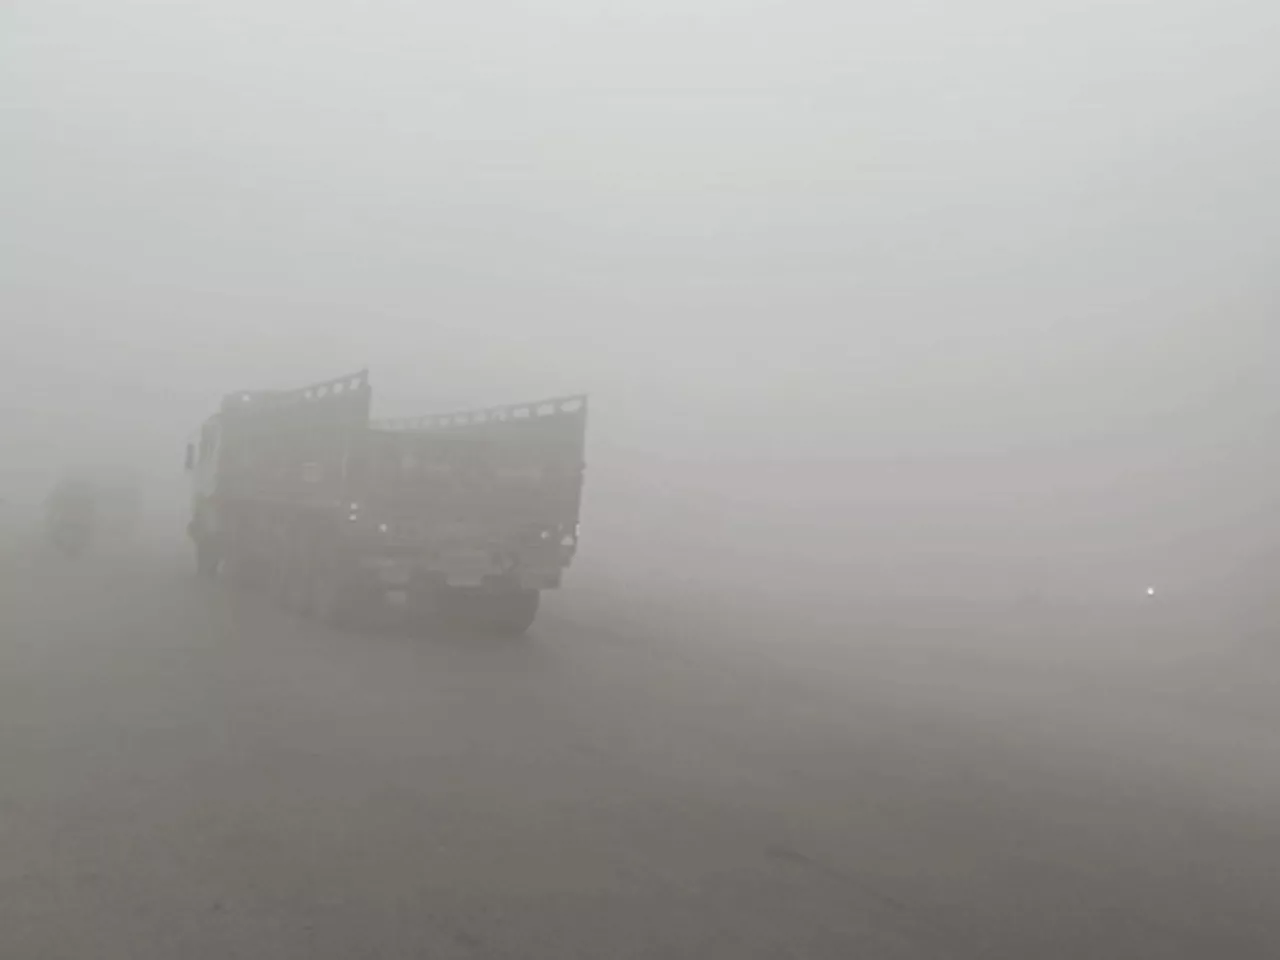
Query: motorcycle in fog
70, 536
70, 513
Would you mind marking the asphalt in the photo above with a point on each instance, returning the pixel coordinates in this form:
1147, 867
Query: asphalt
186, 772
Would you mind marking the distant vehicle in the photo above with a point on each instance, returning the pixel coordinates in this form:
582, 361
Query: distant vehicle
71, 538
119, 505
467, 516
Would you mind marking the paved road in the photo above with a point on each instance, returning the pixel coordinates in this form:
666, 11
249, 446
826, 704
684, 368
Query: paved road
185, 772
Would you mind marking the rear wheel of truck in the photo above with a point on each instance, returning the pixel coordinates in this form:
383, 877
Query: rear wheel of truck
512, 614
509, 613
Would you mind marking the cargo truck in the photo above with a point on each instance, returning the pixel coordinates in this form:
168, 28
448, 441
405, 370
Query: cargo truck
464, 518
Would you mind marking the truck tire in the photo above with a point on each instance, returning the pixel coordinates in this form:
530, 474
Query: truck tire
333, 599
509, 613
424, 612
206, 558
294, 588
512, 614
242, 570
294, 572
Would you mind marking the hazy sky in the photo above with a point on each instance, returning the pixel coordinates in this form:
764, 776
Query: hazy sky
751, 229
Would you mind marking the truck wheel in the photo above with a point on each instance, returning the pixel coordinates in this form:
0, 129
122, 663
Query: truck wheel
206, 559
424, 609
512, 614
242, 570
333, 599
507, 614
295, 587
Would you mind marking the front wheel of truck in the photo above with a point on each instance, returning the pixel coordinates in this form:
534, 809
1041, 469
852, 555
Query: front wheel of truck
206, 558
329, 599
295, 587
336, 600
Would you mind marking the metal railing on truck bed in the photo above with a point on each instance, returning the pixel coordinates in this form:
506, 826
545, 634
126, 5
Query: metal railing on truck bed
574, 405
502, 468
293, 445
510, 464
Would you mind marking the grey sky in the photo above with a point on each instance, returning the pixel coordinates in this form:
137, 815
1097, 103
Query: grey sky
754, 230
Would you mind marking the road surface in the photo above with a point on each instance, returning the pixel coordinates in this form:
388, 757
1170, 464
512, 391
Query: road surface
187, 773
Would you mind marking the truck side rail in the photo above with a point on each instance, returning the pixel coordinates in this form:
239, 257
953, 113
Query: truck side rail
293, 444
246, 401
565, 406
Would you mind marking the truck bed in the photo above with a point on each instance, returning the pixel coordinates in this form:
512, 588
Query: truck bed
511, 468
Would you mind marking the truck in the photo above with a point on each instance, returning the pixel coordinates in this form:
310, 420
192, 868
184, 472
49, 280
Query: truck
462, 518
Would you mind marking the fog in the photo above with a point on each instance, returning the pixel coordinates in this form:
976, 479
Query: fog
964, 299
924, 606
